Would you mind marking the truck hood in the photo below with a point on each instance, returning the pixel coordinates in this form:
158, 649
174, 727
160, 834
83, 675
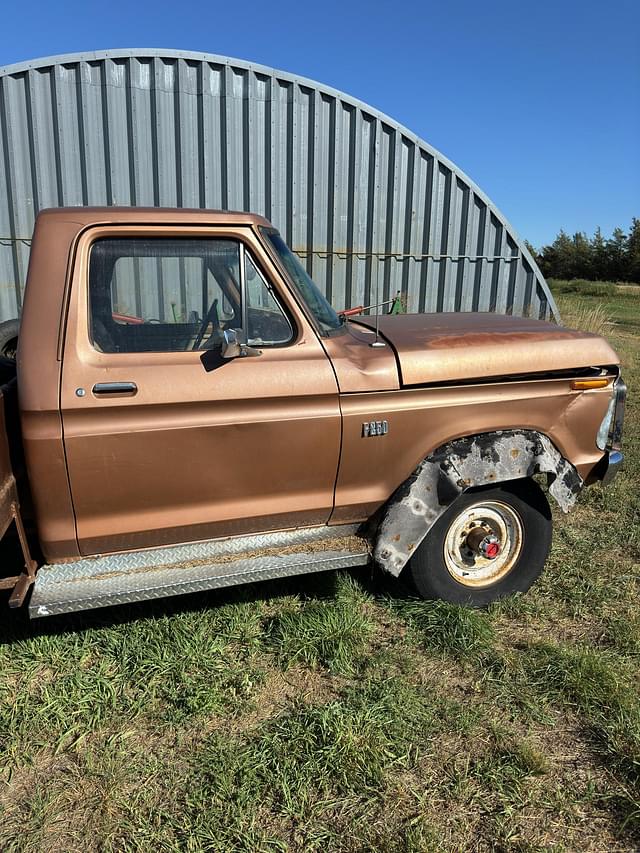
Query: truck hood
463, 346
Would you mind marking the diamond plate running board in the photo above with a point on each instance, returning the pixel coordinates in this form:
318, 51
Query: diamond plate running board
176, 570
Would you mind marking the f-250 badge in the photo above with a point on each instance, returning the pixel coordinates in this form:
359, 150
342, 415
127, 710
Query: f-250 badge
371, 428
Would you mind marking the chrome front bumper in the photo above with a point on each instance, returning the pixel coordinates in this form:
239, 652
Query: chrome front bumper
613, 458
610, 466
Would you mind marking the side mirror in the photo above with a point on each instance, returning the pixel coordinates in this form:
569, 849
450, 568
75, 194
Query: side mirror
233, 345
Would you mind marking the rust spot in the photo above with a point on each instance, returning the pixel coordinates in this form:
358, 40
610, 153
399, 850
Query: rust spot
410, 548
515, 453
492, 476
396, 538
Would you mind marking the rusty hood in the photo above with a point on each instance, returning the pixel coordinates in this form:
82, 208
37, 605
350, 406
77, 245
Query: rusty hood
462, 346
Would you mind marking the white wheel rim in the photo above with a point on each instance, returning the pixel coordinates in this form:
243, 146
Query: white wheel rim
468, 564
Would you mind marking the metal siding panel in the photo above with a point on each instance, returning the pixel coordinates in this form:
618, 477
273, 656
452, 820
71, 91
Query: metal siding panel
309, 183
488, 263
455, 232
8, 278
188, 166
19, 165
442, 234
68, 134
402, 181
520, 281
527, 299
512, 271
42, 131
9, 283
378, 213
464, 272
164, 130
426, 169
321, 189
341, 205
213, 110
119, 165
278, 159
477, 244
329, 200
298, 164
433, 225
364, 135
18, 179
414, 225
141, 133
257, 134
541, 303
94, 133
494, 248
8, 300
389, 159
503, 276
236, 137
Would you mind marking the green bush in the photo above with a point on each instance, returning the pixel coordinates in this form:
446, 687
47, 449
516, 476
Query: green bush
582, 287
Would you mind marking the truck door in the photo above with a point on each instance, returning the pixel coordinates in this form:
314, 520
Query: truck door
165, 440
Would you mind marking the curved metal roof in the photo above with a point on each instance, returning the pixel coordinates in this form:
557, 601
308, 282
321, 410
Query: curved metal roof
373, 208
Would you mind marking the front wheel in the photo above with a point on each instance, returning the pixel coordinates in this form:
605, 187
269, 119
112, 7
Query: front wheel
489, 543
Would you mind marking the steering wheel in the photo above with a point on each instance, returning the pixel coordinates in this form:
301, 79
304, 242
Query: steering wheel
210, 317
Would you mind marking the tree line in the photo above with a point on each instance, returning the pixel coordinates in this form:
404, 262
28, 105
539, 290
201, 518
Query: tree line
597, 258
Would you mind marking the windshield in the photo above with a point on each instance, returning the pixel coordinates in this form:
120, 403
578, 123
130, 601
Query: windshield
321, 309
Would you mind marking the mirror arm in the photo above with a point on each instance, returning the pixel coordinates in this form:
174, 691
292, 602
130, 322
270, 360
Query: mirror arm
246, 351
234, 346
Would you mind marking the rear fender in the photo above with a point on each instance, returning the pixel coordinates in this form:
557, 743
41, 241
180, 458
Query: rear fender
465, 463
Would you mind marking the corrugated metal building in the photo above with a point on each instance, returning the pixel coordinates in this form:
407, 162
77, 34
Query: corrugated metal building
373, 209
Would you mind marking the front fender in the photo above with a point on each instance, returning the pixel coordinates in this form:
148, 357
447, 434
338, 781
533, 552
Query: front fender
459, 465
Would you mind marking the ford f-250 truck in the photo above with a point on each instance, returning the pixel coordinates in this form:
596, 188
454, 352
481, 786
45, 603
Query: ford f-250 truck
194, 414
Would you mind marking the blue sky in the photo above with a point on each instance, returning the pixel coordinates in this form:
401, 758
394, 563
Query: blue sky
539, 103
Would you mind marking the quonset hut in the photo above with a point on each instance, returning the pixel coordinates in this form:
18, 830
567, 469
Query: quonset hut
371, 208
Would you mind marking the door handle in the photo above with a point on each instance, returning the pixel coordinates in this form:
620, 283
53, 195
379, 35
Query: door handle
103, 389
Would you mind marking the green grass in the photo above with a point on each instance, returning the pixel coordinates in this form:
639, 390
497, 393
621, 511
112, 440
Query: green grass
449, 628
333, 632
337, 713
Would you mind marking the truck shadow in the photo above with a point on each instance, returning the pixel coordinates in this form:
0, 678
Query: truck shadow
16, 624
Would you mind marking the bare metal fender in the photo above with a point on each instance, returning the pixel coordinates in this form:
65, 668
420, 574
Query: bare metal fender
459, 465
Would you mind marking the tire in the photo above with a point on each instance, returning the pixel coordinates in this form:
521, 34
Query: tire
9, 331
453, 564
7, 370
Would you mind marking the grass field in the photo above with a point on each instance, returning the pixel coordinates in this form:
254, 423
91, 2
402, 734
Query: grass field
337, 713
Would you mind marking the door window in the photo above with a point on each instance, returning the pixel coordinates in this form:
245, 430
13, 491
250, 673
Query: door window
177, 294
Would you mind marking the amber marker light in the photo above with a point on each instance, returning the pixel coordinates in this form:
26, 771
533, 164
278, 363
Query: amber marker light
587, 384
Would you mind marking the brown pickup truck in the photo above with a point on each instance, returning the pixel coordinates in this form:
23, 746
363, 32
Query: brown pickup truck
189, 412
